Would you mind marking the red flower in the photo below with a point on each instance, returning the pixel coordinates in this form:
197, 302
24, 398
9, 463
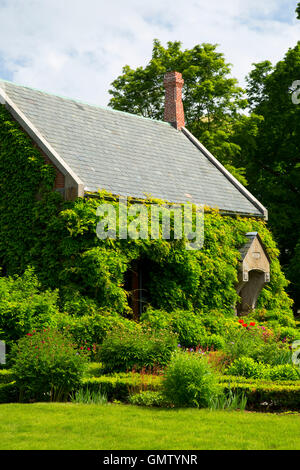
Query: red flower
241, 321
245, 324
252, 323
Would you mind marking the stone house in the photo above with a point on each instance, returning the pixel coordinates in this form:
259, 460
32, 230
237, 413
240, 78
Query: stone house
94, 148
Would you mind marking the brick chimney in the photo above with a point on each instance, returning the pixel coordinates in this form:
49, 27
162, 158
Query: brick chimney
174, 113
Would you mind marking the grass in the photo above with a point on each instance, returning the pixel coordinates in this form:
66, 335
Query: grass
68, 426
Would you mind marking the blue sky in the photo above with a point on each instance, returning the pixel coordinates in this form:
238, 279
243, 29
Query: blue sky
76, 48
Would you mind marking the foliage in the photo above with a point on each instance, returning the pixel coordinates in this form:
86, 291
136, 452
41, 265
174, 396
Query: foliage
124, 349
24, 306
89, 397
95, 369
6, 376
246, 340
266, 395
8, 392
90, 330
148, 398
231, 401
272, 164
62, 246
284, 372
286, 333
121, 386
187, 324
189, 380
46, 365
212, 99
247, 367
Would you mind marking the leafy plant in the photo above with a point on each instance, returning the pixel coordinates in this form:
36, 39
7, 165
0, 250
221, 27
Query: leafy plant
89, 397
148, 398
189, 381
124, 349
24, 306
47, 366
230, 401
247, 367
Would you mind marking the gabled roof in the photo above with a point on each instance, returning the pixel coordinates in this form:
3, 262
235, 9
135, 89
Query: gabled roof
245, 248
126, 154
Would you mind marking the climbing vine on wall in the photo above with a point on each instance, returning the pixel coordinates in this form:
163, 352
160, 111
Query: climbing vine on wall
59, 240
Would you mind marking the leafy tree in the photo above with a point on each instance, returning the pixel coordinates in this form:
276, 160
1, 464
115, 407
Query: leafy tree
273, 163
212, 99
298, 11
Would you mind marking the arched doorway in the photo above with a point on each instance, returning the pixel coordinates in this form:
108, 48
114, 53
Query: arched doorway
250, 291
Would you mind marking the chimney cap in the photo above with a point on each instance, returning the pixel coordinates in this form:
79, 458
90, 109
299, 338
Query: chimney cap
173, 77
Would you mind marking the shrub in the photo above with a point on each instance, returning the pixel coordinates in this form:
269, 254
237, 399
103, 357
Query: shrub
124, 349
186, 324
23, 306
89, 330
6, 376
148, 398
47, 366
273, 353
247, 367
286, 333
284, 372
95, 369
8, 393
213, 342
246, 339
189, 380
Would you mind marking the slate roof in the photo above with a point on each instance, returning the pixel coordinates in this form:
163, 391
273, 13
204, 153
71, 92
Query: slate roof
245, 248
127, 154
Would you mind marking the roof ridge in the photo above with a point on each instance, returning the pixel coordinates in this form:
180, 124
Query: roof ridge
105, 108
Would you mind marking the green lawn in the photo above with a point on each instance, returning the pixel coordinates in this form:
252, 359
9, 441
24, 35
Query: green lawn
111, 427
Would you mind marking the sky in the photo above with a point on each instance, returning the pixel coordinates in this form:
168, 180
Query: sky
77, 48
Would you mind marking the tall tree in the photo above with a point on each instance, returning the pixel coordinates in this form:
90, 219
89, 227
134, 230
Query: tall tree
212, 99
273, 168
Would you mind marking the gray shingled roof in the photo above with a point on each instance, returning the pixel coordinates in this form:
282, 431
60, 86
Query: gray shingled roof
245, 248
127, 154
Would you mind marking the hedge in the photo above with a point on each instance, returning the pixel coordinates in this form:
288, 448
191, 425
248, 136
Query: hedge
6, 376
119, 387
9, 393
262, 393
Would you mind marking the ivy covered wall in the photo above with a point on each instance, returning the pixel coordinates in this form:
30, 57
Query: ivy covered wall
58, 239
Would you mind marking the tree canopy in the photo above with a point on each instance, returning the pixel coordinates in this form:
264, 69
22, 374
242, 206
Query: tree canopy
212, 99
273, 164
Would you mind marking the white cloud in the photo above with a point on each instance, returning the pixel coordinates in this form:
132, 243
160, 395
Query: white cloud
76, 48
